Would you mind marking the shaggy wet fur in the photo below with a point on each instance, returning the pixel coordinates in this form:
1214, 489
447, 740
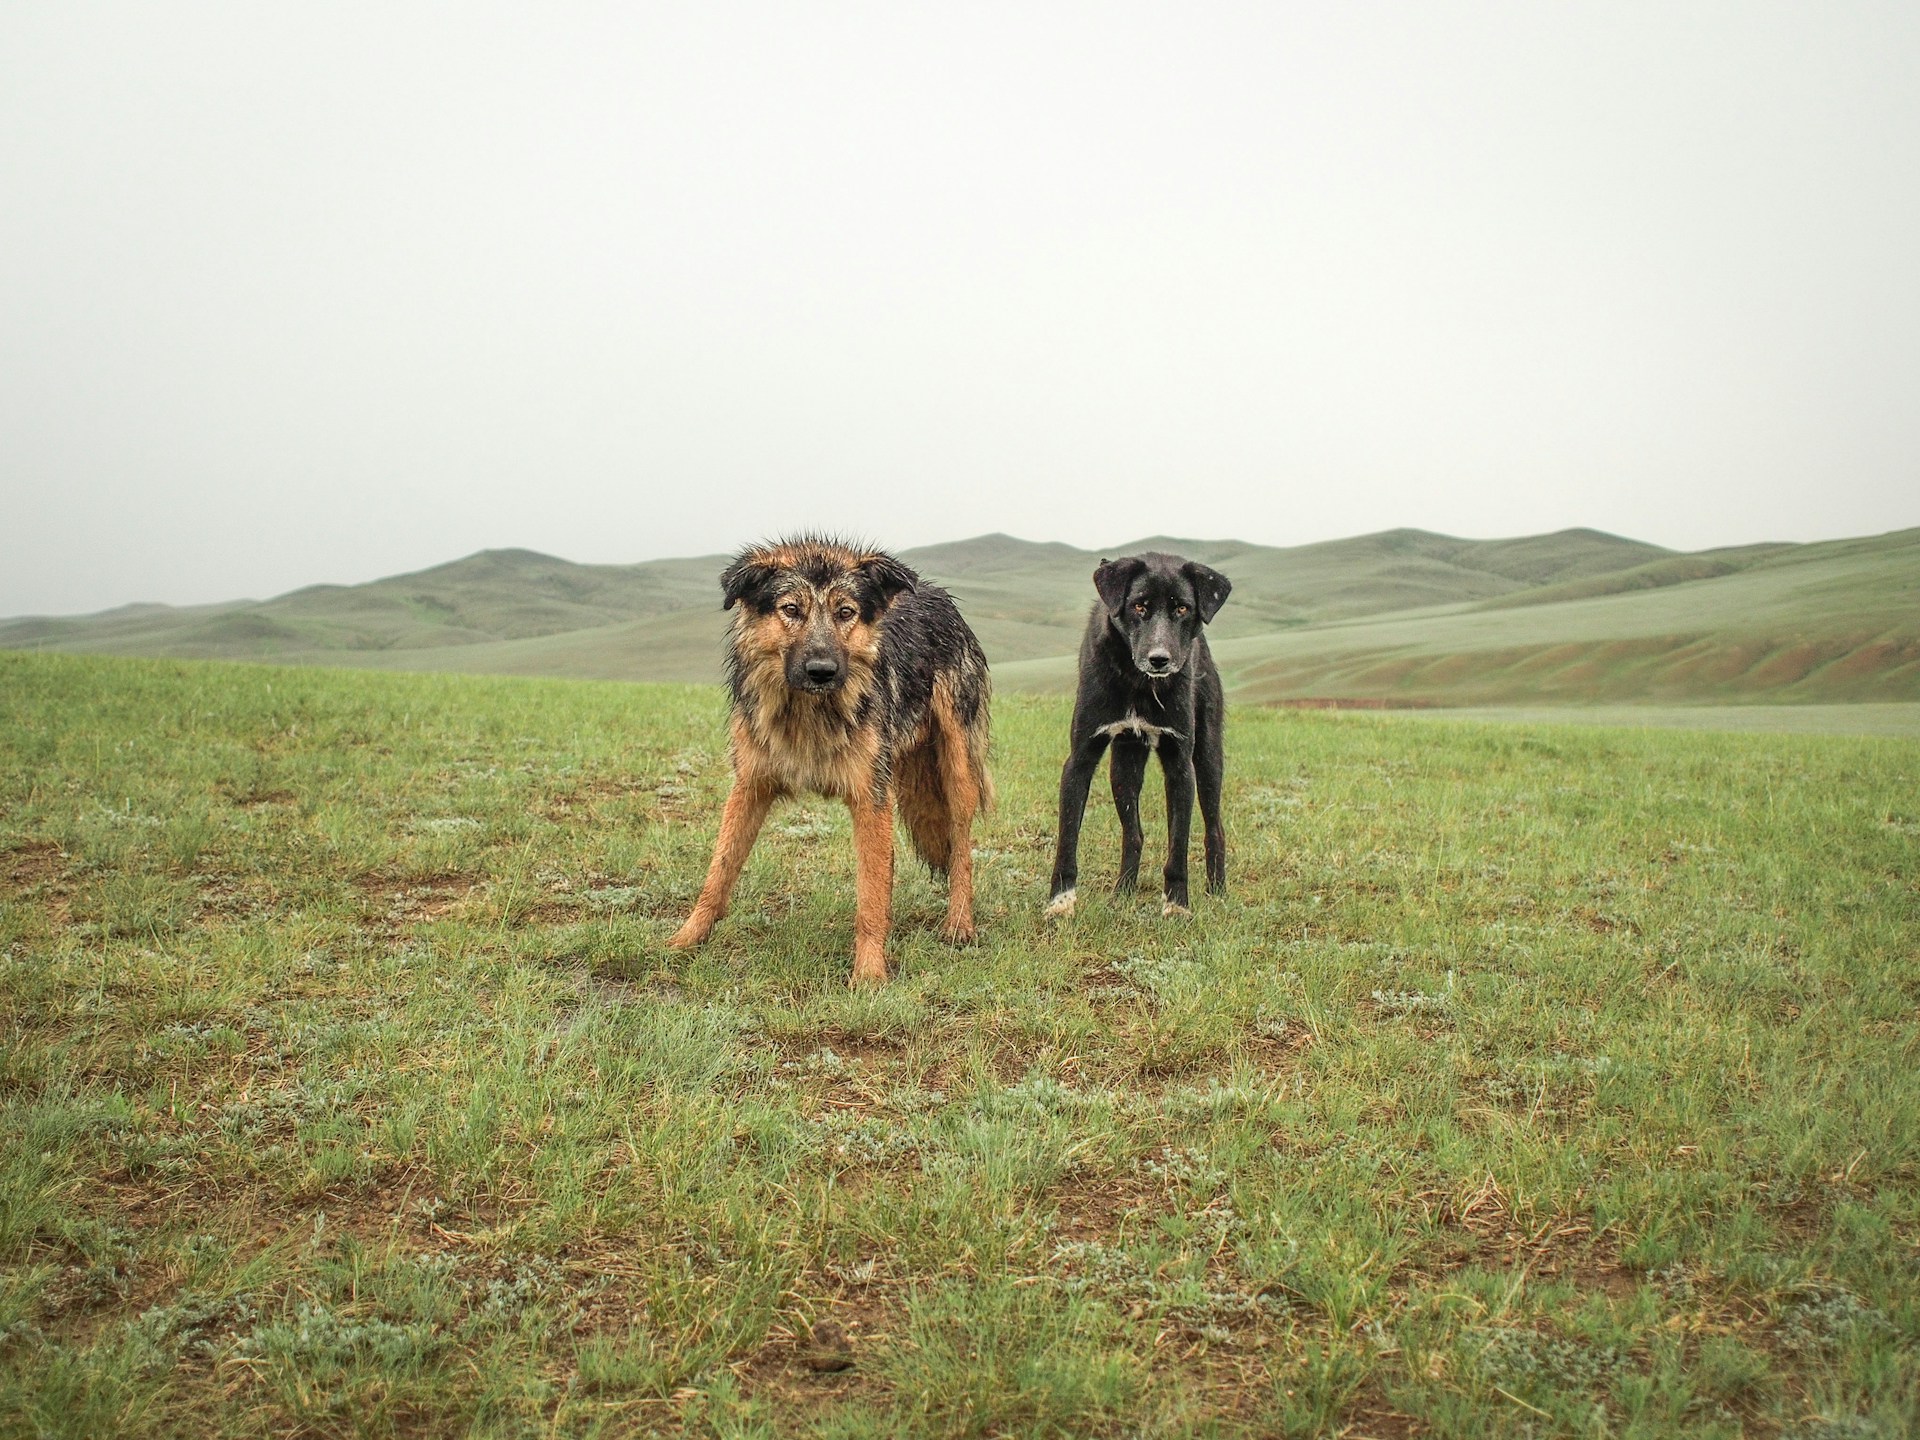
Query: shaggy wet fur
853, 678
1148, 686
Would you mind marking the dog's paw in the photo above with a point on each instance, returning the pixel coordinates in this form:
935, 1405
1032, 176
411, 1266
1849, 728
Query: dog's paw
687, 936
1172, 908
959, 930
868, 974
1061, 905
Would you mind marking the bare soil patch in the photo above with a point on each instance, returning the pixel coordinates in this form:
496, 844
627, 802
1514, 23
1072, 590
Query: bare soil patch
40, 870
1100, 1206
417, 899
586, 800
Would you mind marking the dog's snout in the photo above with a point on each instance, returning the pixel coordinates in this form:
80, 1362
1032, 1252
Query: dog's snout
821, 670
1159, 659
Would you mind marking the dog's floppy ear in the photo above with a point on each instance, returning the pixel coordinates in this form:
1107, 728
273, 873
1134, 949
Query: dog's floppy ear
1112, 579
885, 578
749, 580
1210, 587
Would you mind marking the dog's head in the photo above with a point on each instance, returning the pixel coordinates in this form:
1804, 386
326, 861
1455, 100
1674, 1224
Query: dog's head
1158, 603
809, 608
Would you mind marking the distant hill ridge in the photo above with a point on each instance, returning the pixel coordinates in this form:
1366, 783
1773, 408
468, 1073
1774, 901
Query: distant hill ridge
1402, 615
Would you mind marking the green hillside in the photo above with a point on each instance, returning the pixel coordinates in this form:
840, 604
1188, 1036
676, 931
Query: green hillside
1830, 622
1399, 617
1654, 575
496, 595
1047, 588
517, 612
1399, 570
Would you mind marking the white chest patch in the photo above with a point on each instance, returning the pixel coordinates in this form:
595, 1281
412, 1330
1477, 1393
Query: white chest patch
1141, 729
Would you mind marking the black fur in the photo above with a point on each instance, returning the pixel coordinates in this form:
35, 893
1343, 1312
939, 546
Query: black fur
1148, 683
748, 582
922, 637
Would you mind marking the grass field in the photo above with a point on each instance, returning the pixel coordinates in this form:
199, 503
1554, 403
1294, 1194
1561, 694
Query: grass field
1863, 717
1531, 1082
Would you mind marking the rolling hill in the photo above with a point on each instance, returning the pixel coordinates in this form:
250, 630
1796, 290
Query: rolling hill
1399, 617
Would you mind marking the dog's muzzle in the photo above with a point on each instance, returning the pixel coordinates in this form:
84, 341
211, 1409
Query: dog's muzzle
821, 676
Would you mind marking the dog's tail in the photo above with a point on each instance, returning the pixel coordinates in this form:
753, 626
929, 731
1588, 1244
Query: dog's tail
977, 738
973, 703
933, 776
921, 798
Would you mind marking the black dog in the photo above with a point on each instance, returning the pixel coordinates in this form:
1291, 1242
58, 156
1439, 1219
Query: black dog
1148, 683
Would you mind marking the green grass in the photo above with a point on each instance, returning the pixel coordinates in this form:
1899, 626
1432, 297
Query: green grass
1531, 1082
1899, 718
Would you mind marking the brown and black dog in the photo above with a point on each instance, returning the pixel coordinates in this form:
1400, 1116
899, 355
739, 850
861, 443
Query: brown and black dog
852, 678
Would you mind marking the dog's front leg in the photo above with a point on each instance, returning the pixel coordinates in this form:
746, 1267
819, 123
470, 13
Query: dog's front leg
1076, 778
873, 883
747, 806
1128, 771
1208, 767
1177, 761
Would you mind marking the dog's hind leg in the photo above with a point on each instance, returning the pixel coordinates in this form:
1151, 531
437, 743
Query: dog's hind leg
1128, 772
873, 880
961, 790
1178, 765
740, 822
1209, 765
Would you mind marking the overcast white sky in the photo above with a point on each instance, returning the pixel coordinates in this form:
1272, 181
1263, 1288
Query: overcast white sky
296, 292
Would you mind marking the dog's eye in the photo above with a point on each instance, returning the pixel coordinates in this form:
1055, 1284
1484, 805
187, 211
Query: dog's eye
1139, 607
1180, 609
790, 610
845, 613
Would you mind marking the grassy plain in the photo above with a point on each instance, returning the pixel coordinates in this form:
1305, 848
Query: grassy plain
1532, 1081
1862, 717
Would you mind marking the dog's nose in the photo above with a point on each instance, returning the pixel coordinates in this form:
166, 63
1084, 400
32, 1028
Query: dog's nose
821, 671
1158, 659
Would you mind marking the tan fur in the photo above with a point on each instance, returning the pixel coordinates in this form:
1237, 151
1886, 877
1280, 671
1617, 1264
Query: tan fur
746, 812
873, 890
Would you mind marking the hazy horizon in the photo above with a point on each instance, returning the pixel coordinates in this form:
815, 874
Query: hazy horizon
317, 296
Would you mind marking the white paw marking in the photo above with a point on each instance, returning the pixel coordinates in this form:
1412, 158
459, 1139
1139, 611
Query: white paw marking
1061, 904
1171, 909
